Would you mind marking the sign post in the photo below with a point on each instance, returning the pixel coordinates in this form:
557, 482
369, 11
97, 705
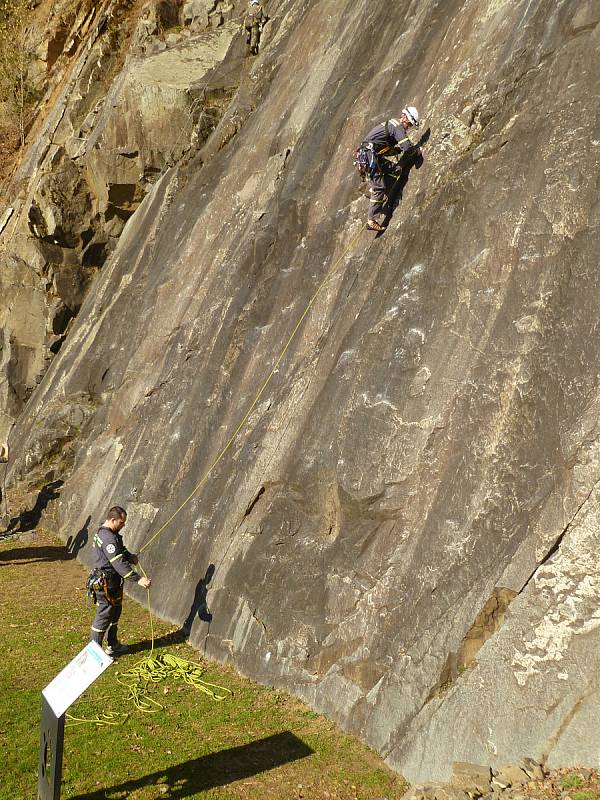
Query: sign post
52, 734
60, 693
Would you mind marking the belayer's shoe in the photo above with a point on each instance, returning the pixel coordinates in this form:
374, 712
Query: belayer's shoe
117, 649
373, 225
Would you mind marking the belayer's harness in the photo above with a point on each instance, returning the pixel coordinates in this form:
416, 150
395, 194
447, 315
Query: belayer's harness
97, 583
366, 156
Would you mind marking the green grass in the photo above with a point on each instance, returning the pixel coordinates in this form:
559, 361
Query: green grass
572, 781
590, 794
261, 743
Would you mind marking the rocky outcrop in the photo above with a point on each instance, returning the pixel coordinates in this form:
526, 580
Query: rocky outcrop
403, 529
115, 126
512, 782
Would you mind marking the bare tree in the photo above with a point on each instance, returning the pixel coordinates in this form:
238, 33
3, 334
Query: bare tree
16, 55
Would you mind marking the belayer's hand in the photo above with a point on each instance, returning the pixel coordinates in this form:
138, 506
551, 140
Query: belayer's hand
145, 582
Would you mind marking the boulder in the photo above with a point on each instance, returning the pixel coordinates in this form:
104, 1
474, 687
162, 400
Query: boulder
474, 778
511, 776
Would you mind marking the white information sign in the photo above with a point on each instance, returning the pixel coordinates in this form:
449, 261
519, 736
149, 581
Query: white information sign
75, 678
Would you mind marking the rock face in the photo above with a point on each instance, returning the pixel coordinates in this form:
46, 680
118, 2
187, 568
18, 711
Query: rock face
111, 130
403, 530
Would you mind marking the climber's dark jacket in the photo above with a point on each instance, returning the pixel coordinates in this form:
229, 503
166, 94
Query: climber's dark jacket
390, 135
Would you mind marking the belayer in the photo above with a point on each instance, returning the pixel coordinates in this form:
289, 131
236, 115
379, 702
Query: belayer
382, 157
112, 566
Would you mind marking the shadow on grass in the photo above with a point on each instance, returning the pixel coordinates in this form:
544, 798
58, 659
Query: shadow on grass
168, 639
214, 770
32, 555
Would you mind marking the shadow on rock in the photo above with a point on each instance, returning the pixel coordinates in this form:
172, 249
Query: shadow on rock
28, 520
398, 185
211, 771
199, 606
78, 542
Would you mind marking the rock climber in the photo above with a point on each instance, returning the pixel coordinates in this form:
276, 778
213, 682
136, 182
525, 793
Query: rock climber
254, 22
387, 150
112, 565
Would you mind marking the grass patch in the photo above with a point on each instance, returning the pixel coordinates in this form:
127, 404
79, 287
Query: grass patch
589, 794
262, 743
572, 781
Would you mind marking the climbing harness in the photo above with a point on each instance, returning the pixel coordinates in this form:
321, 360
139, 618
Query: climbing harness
97, 583
93, 586
367, 157
365, 161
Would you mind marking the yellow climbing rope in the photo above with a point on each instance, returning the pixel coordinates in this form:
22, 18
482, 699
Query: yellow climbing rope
103, 718
259, 394
156, 668
151, 669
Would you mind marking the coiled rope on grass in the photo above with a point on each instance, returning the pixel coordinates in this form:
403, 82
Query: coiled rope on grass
156, 668
153, 668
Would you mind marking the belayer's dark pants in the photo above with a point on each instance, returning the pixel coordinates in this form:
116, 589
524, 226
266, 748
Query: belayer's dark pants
107, 618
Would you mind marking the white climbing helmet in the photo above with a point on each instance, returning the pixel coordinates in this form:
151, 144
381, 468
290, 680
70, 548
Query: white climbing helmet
412, 115
254, 2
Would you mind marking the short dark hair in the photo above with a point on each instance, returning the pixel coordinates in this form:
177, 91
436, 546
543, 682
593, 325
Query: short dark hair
116, 512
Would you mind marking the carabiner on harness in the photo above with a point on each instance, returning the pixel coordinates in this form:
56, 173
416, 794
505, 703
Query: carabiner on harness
365, 159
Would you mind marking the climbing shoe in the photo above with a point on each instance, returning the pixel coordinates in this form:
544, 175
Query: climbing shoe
117, 649
373, 225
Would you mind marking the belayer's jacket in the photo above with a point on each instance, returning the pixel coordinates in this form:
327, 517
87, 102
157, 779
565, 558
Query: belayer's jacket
110, 555
389, 138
